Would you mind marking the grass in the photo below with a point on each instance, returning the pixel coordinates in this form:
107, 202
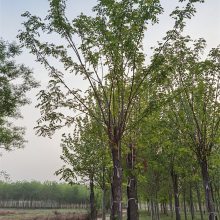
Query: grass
41, 214
64, 214
145, 216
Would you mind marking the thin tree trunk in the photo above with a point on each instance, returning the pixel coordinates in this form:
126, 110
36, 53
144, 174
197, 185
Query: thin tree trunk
184, 204
171, 204
191, 202
116, 184
148, 207
164, 208
217, 199
176, 193
152, 210
92, 200
207, 189
132, 210
158, 211
199, 201
157, 208
103, 194
103, 204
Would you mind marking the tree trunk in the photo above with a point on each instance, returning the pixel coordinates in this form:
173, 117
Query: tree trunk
103, 194
132, 209
152, 210
148, 207
171, 203
191, 203
92, 200
103, 204
116, 184
176, 193
199, 201
207, 189
184, 204
217, 199
157, 210
164, 208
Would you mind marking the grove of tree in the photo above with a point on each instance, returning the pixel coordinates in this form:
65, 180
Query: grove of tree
147, 130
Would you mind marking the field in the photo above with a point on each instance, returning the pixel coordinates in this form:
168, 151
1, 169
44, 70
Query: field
61, 214
42, 214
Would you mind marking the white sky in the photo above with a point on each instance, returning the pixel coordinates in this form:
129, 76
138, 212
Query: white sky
40, 158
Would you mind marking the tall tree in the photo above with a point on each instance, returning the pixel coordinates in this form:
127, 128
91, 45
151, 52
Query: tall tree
110, 57
193, 87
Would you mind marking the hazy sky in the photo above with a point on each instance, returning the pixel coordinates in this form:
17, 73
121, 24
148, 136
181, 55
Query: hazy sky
40, 158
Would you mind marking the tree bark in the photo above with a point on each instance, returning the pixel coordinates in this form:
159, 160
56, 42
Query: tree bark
157, 210
92, 200
103, 194
171, 203
191, 202
199, 201
116, 184
152, 210
132, 209
103, 204
184, 204
217, 199
207, 189
176, 193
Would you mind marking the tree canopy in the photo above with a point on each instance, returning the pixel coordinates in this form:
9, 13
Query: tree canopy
15, 81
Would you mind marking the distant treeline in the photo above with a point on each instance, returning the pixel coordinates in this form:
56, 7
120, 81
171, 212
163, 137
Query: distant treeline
43, 195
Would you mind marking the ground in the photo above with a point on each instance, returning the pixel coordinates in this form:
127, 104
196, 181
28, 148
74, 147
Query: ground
61, 214
42, 214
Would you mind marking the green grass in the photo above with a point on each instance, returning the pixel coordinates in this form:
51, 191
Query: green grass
145, 216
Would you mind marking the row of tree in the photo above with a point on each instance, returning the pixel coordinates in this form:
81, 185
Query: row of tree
33, 192
169, 108
154, 128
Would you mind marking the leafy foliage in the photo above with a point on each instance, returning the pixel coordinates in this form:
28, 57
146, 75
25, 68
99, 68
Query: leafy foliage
15, 81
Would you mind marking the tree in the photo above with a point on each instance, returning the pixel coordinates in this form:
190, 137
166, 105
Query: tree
15, 81
86, 157
110, 57
193, 88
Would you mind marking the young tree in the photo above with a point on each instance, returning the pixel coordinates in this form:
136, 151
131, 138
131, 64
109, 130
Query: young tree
86, 156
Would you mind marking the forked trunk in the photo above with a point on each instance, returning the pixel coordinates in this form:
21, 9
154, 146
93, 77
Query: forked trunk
207, 189
116, 184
